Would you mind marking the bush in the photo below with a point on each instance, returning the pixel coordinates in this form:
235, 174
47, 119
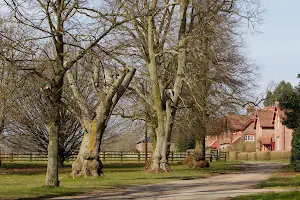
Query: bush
233, 155
287, 154
264, 155
242, 156
252, 156
276, 155
295, 158
192, 163
183, 145
242, 146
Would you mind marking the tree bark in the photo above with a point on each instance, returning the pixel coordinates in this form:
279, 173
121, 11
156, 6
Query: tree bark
199, 150
52, 166
165, 117
54, 94
87, 162
2, 116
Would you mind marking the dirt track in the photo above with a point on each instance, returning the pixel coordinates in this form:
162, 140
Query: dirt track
217, 187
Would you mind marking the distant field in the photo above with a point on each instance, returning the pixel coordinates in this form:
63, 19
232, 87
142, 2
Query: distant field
25, 180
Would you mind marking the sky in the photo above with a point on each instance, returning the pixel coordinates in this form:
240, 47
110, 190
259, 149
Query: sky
276, 49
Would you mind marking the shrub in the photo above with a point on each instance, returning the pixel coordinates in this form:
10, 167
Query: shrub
242, 146
276, 155
242, 156
183, 145
264, 155
252, 156
192, 163
295, 158
233, 155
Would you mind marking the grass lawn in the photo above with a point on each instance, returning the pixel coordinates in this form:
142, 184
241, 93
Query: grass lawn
284, 178
25, 180
271, 196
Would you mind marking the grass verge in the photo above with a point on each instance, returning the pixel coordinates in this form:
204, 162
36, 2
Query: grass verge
271, 196
285, 178
25, 180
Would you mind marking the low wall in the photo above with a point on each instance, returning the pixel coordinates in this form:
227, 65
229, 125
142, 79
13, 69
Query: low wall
263, 155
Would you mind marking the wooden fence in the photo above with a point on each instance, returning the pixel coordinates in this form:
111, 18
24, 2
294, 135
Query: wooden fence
112, 156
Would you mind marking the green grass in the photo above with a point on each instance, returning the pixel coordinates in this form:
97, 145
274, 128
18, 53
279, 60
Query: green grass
285, 178
271, 196
25, 180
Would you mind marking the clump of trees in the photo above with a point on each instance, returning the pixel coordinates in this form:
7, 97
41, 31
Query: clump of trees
281, 89
289, 101
173, 58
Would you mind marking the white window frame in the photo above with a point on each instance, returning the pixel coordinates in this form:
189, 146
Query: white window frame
249, 138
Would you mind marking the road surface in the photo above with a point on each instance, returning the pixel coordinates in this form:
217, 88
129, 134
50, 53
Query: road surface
216, 187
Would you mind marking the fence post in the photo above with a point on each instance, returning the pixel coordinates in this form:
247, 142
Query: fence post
139, 156
103, 156
172, 154
30, 156
121, 156
12, 156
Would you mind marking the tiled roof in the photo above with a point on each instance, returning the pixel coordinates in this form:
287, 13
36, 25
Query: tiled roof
265, 117
237, 122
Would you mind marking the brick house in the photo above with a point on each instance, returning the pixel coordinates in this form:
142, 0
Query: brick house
272, 133
239, 127
264, 126
283, 135
264, 129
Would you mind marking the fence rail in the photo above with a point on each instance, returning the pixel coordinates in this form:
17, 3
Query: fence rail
112, 156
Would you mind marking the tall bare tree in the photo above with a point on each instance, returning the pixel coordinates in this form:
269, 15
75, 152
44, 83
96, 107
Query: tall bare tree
107, 89
53, 31
161, 37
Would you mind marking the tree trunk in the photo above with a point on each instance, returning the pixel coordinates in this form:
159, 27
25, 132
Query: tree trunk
52, 166
2, 116
61, 159
159, 158
88, 162
199, 150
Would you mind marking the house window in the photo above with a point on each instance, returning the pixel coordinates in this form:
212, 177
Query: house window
249, 138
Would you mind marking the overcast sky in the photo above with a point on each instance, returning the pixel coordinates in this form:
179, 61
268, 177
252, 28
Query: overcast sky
277, 48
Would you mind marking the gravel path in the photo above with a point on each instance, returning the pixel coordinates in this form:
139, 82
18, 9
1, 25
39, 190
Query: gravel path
216, 187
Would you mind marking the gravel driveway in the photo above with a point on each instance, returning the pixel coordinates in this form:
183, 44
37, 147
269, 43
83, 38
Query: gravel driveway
216, 187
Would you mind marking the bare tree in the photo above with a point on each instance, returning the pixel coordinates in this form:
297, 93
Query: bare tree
107, 92
163, 38
54, 30
27, 128
221, 77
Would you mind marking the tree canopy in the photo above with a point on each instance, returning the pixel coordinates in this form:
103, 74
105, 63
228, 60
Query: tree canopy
281, 88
